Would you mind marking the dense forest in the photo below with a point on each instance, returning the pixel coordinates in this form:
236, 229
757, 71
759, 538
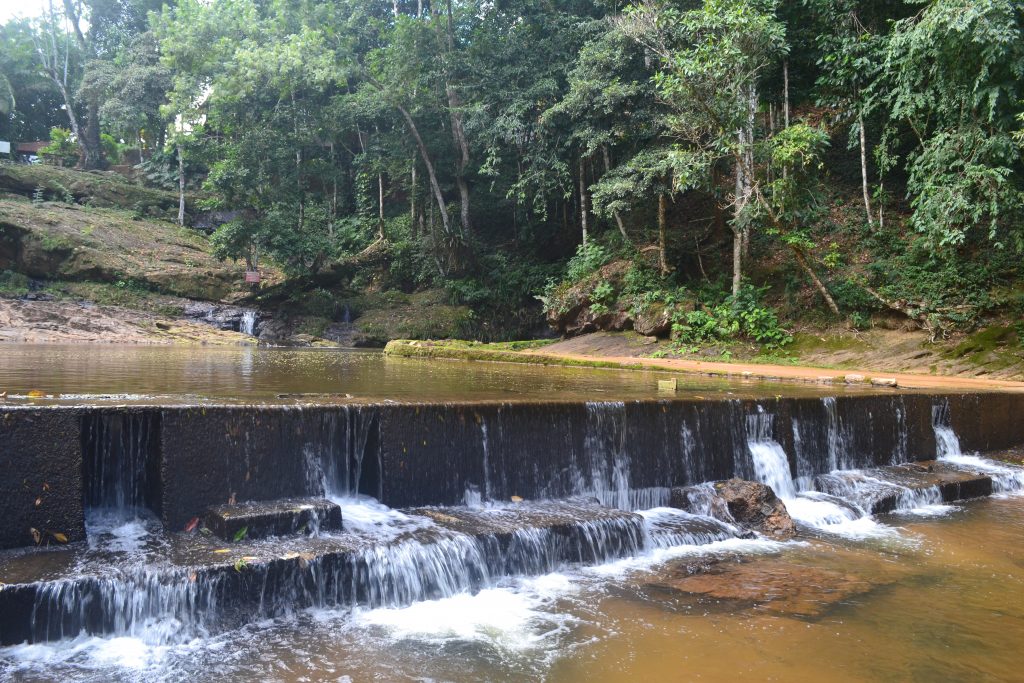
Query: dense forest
710, 169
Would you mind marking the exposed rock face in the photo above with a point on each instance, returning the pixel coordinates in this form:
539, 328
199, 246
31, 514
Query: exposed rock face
581, 320
749, 503
653, 321
221, 317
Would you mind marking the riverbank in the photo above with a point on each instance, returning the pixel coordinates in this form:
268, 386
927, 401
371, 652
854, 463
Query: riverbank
558, 354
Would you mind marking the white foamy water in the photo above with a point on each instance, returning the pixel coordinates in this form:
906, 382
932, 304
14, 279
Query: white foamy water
515, 617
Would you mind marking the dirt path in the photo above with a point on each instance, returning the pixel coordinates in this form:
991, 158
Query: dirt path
793, 372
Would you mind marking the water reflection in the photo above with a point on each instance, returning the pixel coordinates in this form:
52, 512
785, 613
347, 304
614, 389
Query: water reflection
154, 374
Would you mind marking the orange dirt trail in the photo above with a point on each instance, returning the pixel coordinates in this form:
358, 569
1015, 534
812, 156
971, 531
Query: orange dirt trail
795, 372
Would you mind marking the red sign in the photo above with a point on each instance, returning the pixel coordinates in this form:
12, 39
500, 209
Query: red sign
252, 276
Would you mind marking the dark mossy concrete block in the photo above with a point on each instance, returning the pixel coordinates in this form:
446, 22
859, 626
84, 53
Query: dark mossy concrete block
41, 499
273, 518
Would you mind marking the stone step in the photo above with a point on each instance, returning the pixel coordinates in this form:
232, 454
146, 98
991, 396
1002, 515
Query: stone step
882, 489
259, 519
201, 579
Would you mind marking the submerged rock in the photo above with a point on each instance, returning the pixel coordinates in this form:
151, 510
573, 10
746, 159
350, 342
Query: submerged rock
749, 504
770, 585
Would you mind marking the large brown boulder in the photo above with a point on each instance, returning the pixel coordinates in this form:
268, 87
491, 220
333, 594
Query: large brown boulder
653, 321
750, 504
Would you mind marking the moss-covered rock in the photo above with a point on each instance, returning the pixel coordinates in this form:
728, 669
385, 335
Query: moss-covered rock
84, 244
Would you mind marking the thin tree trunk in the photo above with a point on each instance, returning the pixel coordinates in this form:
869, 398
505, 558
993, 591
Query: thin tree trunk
748, 175
380, 206
615, 213
438, 197
662, 211
802, 260
864, 170
181, 187
412, 196
785, 92
583, 200
462, 158
334, 194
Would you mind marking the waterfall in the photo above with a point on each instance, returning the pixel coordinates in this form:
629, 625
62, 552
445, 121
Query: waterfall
118, 458
247, 325
771, 466
947, 443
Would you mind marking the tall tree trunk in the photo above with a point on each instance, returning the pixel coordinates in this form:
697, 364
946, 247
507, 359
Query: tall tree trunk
615, 213
744, 161
334, 194
181, 187
864, 170
662, 211
748, 158
461, 159
583, 199
431, 175
785, 92
380, 206
91, 149
412, 196
802, 260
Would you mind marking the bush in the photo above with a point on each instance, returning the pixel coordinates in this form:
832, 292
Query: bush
742, 316
589, 257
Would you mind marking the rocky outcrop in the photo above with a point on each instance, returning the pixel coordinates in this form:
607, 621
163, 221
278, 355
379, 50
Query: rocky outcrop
653, 321
749, 504
223, 317
581, 320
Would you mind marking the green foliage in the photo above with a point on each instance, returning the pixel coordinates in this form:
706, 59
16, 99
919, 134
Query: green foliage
743, 316
62, 148
13, 284
588, 258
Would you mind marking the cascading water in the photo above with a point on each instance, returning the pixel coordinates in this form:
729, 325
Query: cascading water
247, 324
947, 449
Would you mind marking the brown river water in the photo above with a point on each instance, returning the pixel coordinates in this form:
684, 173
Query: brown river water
914, 598
935, 594
92, 374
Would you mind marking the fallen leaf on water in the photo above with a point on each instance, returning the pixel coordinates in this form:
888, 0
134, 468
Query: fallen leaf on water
517, 499
36, 536
59, 537
39, 501
221, 551
241, 534
192, 524
35, 393
46, 487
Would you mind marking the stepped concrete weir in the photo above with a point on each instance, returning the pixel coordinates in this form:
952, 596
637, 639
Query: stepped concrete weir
179, 461
199, 518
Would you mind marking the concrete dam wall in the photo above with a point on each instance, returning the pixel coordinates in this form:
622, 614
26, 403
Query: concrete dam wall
57, 462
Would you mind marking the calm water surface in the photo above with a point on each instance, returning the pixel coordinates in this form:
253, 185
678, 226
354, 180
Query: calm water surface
84, 373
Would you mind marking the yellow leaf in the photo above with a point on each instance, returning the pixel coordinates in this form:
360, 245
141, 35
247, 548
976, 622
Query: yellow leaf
59, 537
35, 393
221, 551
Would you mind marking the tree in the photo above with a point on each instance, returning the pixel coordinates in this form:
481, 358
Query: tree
712, 59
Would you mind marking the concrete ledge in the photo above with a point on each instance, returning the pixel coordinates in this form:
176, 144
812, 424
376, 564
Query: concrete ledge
273, 518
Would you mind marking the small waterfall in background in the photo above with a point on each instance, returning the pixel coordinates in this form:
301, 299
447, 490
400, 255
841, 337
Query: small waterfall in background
247, 325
